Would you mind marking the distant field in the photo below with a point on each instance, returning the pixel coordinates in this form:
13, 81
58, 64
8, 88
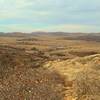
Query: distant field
53, 43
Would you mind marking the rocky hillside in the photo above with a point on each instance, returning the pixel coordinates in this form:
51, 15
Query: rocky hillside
81, 77
34, 76
22, 77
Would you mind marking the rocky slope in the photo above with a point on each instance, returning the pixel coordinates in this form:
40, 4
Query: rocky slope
81, 77
26, 76
22, 77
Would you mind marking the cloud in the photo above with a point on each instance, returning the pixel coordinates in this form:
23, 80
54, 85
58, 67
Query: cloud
50, 28
49, 13
74, 28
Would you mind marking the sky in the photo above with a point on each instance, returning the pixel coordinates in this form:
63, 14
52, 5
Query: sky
50, 15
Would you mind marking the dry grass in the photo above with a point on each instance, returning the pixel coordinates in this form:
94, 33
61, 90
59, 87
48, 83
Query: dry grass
81, 76
21, 78
48, 67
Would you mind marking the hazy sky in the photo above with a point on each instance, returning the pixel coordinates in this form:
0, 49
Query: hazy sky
50, 15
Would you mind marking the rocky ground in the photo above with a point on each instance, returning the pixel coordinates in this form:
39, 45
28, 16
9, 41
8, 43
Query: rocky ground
81, 77
22, 77
49, 67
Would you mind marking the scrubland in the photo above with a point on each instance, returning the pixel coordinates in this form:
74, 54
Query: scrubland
49, 66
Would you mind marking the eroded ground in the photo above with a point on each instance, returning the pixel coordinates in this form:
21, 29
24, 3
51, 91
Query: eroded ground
46, 67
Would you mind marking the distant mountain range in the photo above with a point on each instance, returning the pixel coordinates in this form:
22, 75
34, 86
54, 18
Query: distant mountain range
62, 35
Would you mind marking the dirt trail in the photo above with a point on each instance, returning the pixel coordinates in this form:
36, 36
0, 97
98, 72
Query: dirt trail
81, 77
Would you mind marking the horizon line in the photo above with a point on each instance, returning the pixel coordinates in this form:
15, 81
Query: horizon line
46, 32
